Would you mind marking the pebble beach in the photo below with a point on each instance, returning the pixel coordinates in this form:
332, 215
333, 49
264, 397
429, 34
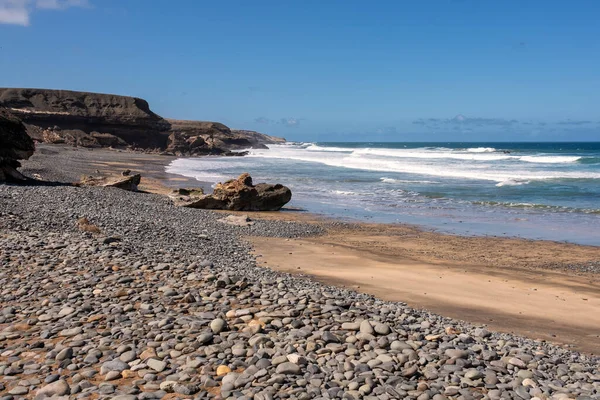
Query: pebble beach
149, 301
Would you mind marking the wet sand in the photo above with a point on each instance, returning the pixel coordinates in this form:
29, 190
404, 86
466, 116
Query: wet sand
540, 289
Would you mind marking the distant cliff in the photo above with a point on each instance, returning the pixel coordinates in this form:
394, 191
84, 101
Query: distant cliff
103, 120
257, 137
202, 137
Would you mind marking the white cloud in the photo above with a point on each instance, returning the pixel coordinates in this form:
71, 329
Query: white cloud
11, 12
18, 12
290, 121
262, 120
60, 4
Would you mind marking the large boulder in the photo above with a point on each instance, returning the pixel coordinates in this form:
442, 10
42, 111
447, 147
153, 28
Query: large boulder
236, 195
15, 145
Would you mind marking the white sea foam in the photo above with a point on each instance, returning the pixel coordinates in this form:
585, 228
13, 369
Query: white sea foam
344, 192
476, 154
508, 171
314, 147
512, 182
392, 180
431, 154
423, 162
204, 170
550, 159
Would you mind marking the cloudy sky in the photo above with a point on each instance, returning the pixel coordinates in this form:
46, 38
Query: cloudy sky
444, 70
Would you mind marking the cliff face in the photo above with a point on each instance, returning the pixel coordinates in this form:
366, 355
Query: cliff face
102, 120
15, 145
86, 119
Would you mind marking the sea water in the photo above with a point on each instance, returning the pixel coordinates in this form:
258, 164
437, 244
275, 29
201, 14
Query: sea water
531, 190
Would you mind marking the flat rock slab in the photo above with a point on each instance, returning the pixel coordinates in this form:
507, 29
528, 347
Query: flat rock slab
125, 182
237, 220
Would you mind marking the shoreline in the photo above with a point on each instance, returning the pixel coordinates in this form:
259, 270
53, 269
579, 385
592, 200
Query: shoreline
559, 269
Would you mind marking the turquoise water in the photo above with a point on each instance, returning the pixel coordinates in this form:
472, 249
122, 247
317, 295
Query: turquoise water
533, 190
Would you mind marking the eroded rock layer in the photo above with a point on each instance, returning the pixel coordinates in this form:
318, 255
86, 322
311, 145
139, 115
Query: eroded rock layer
15, 145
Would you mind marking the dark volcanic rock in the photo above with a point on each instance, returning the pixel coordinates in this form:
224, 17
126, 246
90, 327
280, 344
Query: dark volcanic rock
15, 145
86, 119
237, 195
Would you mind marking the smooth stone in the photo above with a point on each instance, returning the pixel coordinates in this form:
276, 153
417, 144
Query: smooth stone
473, 374
113, 365
288, 368
205, 338
18, 391
218, 325
381, 329
156, 365
58, 388
366, 328
455, 353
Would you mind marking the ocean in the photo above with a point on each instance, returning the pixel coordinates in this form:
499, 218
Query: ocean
545, 190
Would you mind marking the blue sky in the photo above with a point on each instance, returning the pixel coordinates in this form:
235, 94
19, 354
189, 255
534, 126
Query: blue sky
446, 70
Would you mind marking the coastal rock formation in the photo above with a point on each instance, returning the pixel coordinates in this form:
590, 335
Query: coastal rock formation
258, 139
125, 181
236, 195
15, 145
86, 119
203, 137
107, 120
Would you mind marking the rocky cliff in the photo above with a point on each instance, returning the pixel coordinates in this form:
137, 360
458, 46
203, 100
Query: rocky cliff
86, 119
15, 145
107, 120
203, 137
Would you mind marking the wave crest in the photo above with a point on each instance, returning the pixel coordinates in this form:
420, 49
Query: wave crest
481, 150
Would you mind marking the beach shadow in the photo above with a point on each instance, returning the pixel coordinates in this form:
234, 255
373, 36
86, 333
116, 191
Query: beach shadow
35, 182
292, 209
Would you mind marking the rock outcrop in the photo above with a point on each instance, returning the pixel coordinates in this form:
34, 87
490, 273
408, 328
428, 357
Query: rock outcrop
236, 195
107, 120
203, 138
15, 145
124, 181
257, 138
86, 119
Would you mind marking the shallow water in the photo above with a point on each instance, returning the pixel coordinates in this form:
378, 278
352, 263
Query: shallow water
532, 190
